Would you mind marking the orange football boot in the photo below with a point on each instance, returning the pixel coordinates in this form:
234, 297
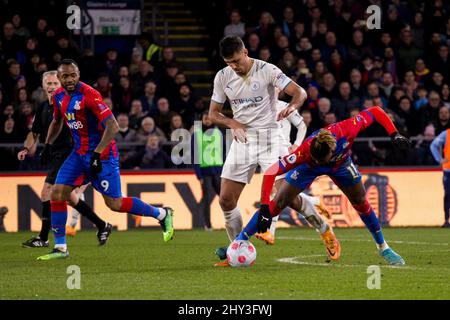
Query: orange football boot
71, 231
267, 237
223, 263
332, 245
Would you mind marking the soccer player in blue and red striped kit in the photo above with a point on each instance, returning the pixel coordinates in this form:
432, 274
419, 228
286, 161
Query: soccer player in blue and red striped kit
95, 157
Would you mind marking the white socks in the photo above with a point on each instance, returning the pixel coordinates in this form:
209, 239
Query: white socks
75, 214
273, 226
162, 214
382, 246
311, 215
233, 223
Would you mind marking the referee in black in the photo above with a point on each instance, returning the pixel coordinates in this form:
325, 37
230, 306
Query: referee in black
60, 151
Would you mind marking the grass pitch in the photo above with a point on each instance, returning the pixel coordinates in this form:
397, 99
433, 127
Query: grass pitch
138, 265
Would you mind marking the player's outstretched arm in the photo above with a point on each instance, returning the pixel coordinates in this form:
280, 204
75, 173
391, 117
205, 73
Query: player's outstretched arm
28, 145
111, 128
383, 119
54, 130
299, 96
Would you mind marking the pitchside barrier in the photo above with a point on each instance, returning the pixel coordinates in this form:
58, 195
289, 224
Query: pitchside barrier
401, 197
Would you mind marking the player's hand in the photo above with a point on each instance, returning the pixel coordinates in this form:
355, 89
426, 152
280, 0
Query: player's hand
285, 113
400, 141
264, 218
292, 148
22, 153
239, 132
95, 164
46, 154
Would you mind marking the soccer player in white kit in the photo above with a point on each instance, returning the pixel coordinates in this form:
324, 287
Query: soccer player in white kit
250, 86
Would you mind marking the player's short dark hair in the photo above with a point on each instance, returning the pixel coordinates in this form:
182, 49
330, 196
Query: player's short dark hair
67, 62
228, 46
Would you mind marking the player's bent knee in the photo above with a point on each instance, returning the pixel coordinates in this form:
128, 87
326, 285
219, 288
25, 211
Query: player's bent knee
227, 203
114, 204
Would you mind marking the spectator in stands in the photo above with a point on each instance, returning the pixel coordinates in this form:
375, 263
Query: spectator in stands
337, 66
307, 118
374, 92
264, 55
236, 26
319, 71
418, 30
11, 43
176, 122
303, 48
253, 45
429, 113
167, 58
409, 115
11, 78
66, 49
445, 95
387, 84
149, 98
168, 86
345, 101
112, 64
324, 107
442, 62
328, 89
443, 122
162, 119
152, 157
329, 118
287, 24
148, 128
185, 104
26, 117
9, 134
409, 83
332, 45
436, 82
357, 50
355, 80
144, 74
125, 134
408, 53
265, 28
421, 71
180, 79
421, 99
136, 59
422, 147
390, 63
103, 85
136, 114
123, 95
21, 97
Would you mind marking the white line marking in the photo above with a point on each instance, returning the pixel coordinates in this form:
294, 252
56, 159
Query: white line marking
368, 240
295, 260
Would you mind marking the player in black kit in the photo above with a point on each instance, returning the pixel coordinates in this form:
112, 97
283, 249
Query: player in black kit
61, 149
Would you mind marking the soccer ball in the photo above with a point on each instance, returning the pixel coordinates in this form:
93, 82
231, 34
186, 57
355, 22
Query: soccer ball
241, 253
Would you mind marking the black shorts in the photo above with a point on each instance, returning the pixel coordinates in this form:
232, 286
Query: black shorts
58, 158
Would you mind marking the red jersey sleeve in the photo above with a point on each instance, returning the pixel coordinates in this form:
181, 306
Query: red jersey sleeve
285, 164
94, 102
56, 111
379, 115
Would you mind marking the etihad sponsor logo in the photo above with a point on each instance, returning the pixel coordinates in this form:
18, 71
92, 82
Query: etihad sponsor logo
253, 100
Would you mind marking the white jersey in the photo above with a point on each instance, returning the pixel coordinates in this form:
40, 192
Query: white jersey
294, 119
252, 97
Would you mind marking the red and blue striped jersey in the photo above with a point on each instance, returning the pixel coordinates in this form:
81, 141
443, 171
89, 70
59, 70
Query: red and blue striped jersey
85, 114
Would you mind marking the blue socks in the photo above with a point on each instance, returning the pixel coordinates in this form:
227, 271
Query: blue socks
59, 219
250, 228
371, 222
138, 207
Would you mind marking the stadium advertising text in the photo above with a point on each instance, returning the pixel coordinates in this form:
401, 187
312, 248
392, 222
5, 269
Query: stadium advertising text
391, 193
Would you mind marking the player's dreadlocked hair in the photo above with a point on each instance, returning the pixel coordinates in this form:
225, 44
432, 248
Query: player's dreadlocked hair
321, 144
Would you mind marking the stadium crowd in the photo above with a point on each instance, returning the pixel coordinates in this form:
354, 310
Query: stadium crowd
325, 46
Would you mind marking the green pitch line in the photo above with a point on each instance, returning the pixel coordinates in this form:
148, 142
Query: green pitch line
138, 265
